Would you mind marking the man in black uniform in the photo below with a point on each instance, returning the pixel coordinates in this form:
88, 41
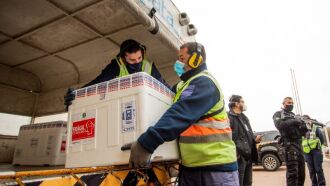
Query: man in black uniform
291, 130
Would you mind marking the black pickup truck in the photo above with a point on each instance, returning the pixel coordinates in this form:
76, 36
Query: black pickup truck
271, 154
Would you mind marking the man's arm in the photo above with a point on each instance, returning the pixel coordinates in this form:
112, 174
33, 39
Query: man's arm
155, 73
197, 99
235, 134
234, 128
320, 135
111, 71
283, 123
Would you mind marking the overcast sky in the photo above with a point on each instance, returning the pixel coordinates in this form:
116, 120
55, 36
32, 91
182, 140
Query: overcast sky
252, 45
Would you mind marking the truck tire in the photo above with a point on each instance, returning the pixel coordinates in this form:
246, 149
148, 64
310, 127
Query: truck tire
270, 162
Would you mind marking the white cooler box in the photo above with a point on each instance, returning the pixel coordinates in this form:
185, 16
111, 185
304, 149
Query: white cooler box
7, 148
41, 144
106, 116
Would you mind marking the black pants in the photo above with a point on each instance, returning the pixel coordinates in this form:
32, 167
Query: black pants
245, 172
295, 165
314, 161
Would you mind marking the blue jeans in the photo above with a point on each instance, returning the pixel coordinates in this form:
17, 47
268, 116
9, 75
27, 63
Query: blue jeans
208, 178
314, 161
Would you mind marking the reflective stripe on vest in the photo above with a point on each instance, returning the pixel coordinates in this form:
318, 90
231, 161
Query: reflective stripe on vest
311, 142
146, 67
207, 142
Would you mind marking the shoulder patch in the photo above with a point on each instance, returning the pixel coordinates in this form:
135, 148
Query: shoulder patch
187, 92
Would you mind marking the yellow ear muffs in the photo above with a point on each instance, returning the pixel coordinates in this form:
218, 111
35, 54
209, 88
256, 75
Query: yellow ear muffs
196, 58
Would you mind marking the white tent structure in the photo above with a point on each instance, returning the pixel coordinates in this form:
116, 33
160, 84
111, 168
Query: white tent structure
47, 46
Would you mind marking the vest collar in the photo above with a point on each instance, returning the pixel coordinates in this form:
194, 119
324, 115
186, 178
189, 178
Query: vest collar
193, 72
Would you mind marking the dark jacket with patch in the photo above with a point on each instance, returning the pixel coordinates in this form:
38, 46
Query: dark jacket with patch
243, 136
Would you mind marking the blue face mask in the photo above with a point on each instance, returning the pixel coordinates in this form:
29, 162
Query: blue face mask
179, 67
135, 67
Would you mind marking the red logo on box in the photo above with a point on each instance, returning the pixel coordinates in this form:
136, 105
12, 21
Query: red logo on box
83, 129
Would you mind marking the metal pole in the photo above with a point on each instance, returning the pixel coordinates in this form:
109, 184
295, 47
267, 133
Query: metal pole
296, 93
35, 105
295, 99
298, 98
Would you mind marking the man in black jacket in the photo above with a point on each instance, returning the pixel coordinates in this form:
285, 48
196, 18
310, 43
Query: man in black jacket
291, 130
244, 139
130, 59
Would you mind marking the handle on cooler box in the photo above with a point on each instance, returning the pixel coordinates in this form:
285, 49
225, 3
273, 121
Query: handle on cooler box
126, 146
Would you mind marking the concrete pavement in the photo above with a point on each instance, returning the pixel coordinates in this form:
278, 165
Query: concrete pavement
277, 178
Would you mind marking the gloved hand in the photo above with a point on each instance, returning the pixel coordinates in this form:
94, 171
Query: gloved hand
298, 122
139, 157
68, 98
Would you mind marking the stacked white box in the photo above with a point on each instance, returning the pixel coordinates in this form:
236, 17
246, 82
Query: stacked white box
41, 144
105, 116
7, 148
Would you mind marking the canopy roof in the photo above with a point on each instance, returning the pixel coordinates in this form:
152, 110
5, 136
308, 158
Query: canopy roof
48, 46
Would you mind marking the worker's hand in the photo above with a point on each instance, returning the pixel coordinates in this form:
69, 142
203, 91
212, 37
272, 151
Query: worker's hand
139, 157
68, 98
258, 138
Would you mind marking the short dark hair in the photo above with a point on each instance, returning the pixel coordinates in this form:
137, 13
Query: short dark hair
130, 46
286, 99
234, 99
192, 47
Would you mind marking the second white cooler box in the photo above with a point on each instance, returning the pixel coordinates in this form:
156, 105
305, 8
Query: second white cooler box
41, 144
106, 116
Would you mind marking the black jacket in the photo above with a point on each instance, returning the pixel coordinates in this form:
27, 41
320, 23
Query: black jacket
243, 136
112, 71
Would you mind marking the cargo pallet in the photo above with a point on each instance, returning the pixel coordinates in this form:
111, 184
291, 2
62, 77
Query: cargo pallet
103, 175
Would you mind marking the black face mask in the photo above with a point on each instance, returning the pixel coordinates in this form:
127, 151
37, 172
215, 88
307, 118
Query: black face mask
135, 67
289, 108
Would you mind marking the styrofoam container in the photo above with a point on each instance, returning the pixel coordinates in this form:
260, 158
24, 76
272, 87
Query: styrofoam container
7, 148
41, 144
105, 116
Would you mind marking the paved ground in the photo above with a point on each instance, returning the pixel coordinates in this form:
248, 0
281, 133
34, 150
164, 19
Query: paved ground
277, 178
